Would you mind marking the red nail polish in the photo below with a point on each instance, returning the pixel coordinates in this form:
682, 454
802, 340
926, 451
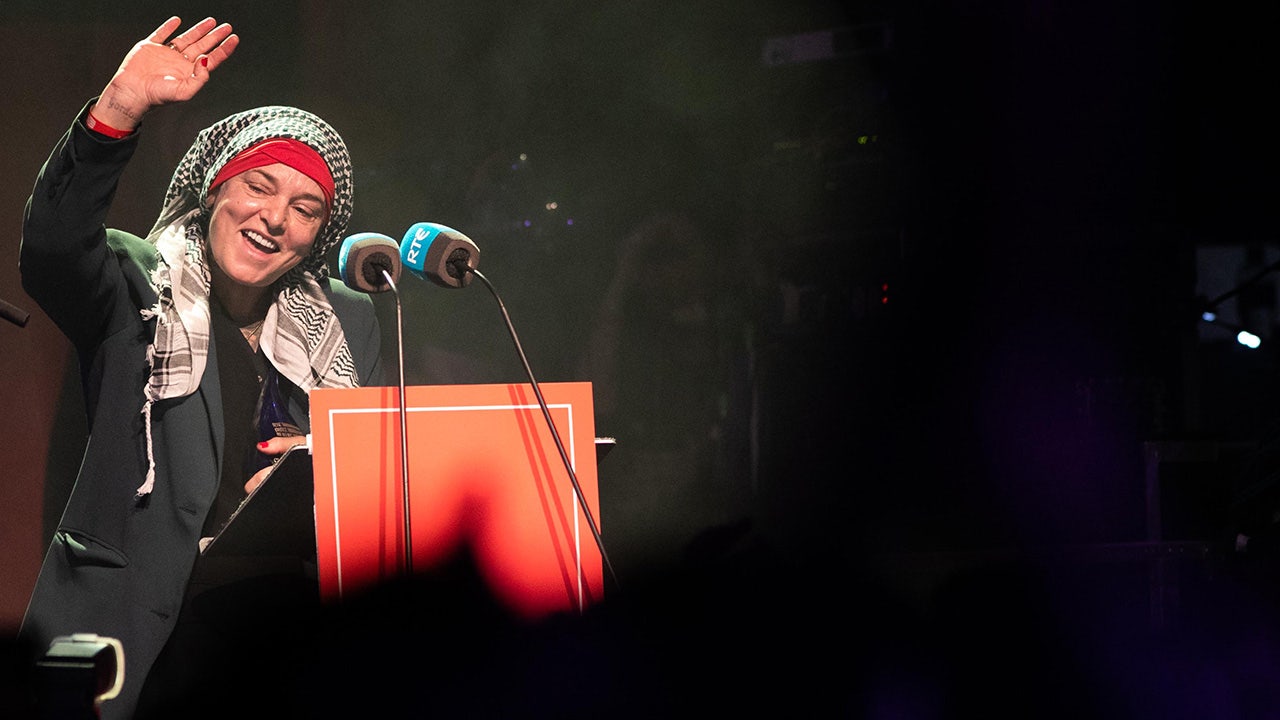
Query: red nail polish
262, 445
204, 62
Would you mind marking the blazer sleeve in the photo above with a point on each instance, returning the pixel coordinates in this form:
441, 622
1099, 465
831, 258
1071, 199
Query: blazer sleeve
65, 262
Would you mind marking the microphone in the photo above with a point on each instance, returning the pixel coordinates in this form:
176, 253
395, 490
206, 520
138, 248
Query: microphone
440, 254
364, 258
370, 262
448, 258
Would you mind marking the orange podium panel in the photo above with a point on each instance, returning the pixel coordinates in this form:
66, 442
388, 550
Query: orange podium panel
483, 472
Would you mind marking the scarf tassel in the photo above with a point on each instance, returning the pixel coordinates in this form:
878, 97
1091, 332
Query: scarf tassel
149, 483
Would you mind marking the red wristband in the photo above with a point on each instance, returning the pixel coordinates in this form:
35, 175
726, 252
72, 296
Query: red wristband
98, 126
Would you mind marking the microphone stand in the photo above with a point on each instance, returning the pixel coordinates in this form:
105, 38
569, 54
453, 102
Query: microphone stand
404, 425
546, 413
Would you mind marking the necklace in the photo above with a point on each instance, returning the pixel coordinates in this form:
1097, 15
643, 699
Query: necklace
251, 333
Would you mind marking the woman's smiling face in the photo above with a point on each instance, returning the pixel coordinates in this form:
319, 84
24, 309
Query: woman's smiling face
263, 222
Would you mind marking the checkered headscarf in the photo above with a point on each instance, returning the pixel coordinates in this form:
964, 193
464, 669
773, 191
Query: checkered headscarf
301, 336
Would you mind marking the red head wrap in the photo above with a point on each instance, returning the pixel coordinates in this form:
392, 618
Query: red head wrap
294, 153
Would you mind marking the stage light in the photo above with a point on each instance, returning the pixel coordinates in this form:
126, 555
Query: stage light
1248, 339
1244, 337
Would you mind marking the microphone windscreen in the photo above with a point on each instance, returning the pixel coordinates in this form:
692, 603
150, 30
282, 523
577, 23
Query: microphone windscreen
364, 257
433, 251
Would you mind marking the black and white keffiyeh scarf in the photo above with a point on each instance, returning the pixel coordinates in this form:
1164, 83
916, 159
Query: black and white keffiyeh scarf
301, 335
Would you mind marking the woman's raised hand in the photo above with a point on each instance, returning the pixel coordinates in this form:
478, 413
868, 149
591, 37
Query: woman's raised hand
164, 68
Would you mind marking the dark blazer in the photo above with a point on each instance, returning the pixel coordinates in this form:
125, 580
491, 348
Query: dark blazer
118, 565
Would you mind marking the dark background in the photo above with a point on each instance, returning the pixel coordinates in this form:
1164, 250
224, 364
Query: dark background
916, 318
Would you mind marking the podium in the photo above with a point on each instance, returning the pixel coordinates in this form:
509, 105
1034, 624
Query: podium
484, 474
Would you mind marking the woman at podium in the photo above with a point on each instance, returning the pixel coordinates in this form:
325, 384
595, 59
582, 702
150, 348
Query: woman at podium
176, 332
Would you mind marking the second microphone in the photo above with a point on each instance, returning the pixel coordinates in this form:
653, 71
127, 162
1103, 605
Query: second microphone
440, 254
